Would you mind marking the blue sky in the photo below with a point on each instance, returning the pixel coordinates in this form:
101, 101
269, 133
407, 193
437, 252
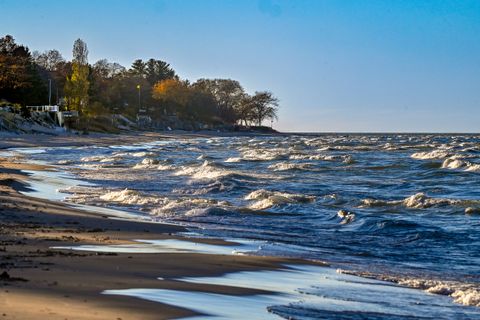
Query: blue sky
335, 65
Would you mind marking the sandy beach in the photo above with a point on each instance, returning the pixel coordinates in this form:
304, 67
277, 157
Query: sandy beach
38, 282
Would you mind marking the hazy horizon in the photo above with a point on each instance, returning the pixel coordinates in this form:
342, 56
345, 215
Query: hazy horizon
336, 66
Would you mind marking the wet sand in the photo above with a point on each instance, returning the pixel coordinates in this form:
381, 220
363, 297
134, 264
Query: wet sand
37, 282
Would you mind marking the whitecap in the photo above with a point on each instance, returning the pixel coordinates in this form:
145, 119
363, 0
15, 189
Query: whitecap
187, 207
65, 162
435, 154
142, 154
205, 171
284, 166
416, 201
92, 159
323, 157
453, 163
263, 154
101, 159
456, 163
131, 197
266, 199
146, 164
233, 159
471, 210
165, 167
420, 200
473, 167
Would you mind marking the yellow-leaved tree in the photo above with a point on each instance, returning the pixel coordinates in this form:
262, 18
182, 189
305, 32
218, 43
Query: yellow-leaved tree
77, 84
173, 94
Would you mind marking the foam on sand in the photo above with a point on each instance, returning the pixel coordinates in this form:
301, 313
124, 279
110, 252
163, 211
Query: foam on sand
463, 293
304, 292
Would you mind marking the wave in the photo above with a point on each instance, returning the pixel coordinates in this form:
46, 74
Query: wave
266, 199
450, 160
435, 154
416, 201
470, 210
263, 155
142, 154
154, 205
463, 293
285, 166
188, 207
132, 197
213, 187
322, 157
82, 194
212, 171
101, 159
456, 163
146, 163
233, 159
206, 171
65, 162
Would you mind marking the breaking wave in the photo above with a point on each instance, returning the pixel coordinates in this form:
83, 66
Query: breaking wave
234, 159
266, 199
263, 155
435, 154
284, 166
450, 160
147, 163
131, 197
417, 201
322, 157
188, 207
212, 171
101, 159
455, 163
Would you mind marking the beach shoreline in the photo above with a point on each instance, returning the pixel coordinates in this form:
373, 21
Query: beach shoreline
39, 282
81, 260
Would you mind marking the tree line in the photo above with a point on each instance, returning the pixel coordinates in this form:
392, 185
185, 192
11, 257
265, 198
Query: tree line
104, 87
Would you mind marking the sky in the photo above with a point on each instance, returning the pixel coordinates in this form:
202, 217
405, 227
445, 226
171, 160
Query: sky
335, 65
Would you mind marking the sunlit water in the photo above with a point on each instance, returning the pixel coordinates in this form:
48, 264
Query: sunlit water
405, 208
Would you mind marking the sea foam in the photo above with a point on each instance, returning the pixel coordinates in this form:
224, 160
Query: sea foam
463, 293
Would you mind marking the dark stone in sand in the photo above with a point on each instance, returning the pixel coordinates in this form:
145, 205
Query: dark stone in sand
4, 276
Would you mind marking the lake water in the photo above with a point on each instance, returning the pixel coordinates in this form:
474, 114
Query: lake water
398, 207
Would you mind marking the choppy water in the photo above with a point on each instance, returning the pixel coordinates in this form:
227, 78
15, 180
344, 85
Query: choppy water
405, 208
